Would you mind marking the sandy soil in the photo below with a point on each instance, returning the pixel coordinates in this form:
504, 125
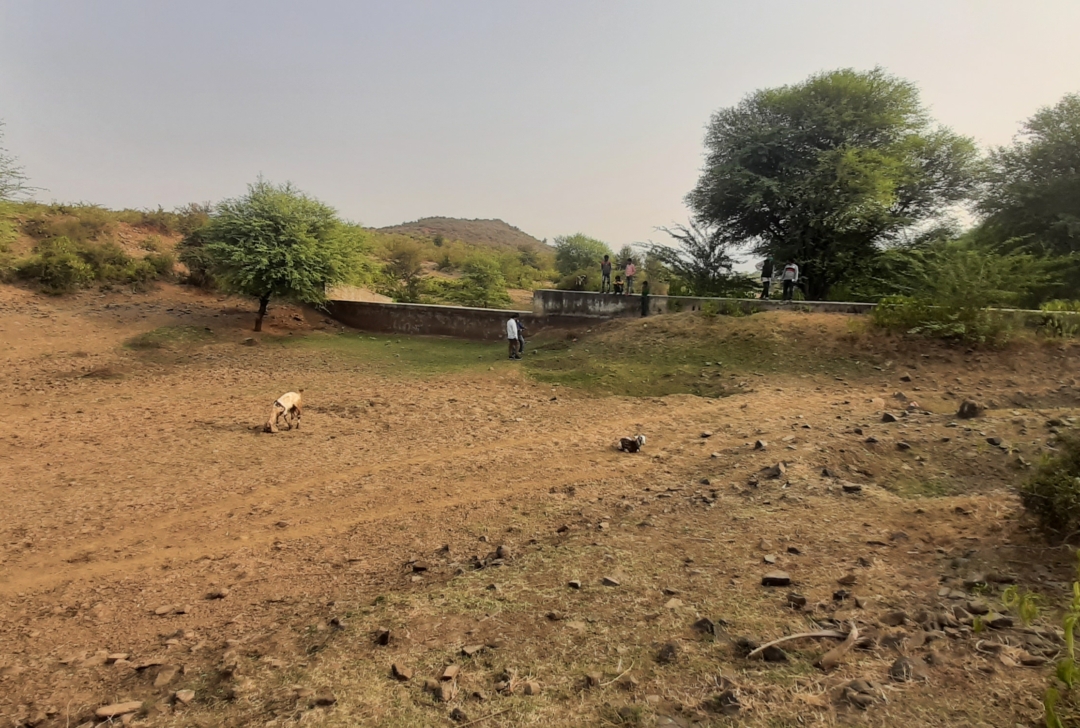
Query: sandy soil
146, 515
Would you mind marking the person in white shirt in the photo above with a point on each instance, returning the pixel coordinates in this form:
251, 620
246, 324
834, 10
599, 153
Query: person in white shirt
512, 336
790, 277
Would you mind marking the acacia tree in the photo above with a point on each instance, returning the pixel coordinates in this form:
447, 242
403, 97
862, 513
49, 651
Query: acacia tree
828, 171
578, 253
276, 242
702, 261
13, 181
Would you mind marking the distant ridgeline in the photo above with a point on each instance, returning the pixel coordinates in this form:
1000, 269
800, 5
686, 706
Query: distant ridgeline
491, 233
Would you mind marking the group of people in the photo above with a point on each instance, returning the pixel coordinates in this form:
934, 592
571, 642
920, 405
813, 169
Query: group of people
606, 286
789, 278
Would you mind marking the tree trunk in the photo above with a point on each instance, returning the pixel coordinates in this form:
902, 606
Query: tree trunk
263, 302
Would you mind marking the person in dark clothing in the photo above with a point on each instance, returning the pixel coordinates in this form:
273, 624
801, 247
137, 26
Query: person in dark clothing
521, 337
605, 275
645, 298
618, 287
766, 277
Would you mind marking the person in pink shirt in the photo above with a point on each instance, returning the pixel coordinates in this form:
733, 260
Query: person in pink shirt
631, 271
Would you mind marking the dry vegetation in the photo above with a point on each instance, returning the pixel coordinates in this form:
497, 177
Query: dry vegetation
146, 516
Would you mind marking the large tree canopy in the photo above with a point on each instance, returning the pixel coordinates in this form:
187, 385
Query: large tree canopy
1033, 186
276, 242
828, 171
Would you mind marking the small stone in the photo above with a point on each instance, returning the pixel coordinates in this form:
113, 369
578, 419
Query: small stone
902, 446
977, 606
968, 410
117, 709
450, 672
769, 559
995, 441
431, 685
706, 434
998, 621
472, 650
401, 673
324, 697
905, 378
668, 653
846, 580
905, 669
673, 603
574, 584
776, 578
774, 471
458, 715
705, 625
503, 552
774, 654
531, 688
218, 593
419, 567
894, 618
184, 696
793, 550
851, 488
164, 610
796, 601
593, 679
116, 656
888, 417
165, 676
609, 581
760, 445
382, 636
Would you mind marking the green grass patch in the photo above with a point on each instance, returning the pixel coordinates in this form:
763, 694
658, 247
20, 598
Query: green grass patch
687, 353
405, 354
916, 488
170, 337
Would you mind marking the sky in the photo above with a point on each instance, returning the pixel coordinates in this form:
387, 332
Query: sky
559, 116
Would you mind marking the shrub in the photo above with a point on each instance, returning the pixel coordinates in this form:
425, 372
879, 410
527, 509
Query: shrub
924, 317
1052, 494
56, 266
1061, 319
162, 263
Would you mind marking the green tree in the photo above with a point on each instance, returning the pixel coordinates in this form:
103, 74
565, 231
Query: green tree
483, 283
701, 262
1032, 191
276, 242
578, 254
828, 171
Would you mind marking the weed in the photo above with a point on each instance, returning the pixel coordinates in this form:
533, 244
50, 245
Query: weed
169, 337
1066, 672
1024, 604
923, 317
1052, 493
1061, 319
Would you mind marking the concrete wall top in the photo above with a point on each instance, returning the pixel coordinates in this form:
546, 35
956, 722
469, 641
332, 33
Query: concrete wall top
549, 302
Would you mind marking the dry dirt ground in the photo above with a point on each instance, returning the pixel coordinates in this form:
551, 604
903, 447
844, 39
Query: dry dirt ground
471, 524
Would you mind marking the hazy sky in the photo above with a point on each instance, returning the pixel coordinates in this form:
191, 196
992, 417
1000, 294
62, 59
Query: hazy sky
557, 116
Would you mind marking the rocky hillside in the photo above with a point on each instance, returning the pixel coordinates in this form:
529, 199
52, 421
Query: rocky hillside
492, 233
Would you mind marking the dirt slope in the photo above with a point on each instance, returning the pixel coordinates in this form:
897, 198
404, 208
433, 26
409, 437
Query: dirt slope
137, 485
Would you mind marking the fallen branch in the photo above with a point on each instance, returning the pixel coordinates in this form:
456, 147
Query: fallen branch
609, 682
807, 635
832, 658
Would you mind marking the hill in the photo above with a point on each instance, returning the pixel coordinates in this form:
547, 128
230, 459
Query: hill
491, 233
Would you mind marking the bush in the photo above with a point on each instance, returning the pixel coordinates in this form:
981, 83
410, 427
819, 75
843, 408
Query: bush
1052, 494
56, 266
77, 223
924, 317
1061, 319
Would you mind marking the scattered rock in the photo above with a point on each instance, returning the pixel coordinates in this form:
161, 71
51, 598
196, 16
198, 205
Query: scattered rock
968, 410
164, 610
760, 445
165, 676
218, 593
894, 618
827, 473
846, 580
450, 672
503, 552
852, 488
250, 341
776, 578
574, 584
673, 603
472, 650
902, 446
593, 679
531, 688
796, 601
726, 703
998, 621
668, 653
905, 378
977, 606
419, 567
888, 417
118, 709
184, 696
458, 716
774, 654
609, 581
382, 637
401, 673
705, 625
793, 550
906, 668
860, 693
707, 434
769, 559
774, 471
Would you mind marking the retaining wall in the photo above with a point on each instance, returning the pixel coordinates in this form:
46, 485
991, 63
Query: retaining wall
548, 302
482, 324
